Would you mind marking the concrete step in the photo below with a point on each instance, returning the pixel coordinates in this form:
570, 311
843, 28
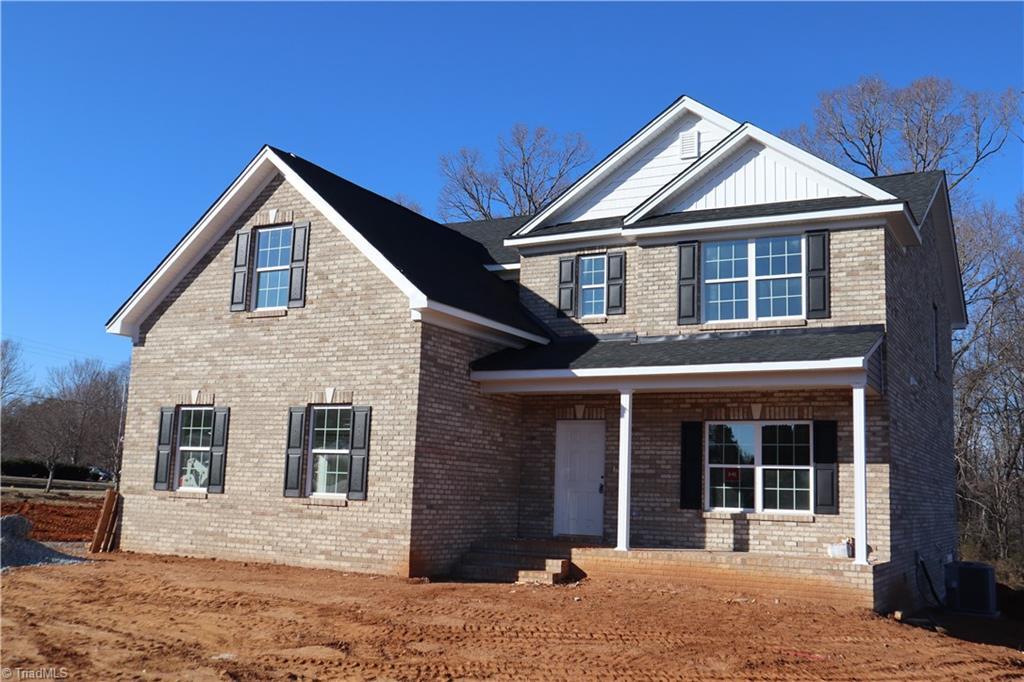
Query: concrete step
505, 574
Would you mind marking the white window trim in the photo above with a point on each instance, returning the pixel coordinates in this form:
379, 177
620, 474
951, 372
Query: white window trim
256, 270
191, 448
758, 467
313, 452
603, 286
752, 279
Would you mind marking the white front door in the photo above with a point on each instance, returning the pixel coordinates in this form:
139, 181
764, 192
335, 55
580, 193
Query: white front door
579, 477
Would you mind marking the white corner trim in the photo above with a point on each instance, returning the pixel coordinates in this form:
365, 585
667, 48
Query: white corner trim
747, 133
444, 315
598, 172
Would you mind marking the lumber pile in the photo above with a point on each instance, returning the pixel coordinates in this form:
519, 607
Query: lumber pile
103, 538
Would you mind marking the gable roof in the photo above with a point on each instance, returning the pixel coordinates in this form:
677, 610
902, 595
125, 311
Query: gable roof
916, 188
437, 268
492, 233
620, 154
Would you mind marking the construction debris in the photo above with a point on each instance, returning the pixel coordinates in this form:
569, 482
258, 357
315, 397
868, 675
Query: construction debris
103, 538
17, 550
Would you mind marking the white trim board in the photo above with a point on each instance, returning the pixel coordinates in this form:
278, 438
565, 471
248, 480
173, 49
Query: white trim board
223, 214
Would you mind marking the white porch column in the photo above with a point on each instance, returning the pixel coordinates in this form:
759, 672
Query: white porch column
860, 477
625, 455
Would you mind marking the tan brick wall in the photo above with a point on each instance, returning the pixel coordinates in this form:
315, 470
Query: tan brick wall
921, 412
857, 281
354, 334
656, 519
467, 455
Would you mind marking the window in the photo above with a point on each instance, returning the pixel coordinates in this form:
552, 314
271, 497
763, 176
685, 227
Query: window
331, 444
195, 440
593, 278
775, 280
759, 466
273, 260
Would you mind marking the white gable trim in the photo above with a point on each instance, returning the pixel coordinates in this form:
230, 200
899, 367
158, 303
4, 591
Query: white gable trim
746, 133
610, 162
223, 214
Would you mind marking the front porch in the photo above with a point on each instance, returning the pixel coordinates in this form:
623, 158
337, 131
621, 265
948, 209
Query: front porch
660, 484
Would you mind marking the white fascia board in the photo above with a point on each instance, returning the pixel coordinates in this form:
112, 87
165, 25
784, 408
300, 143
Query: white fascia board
859, 363
444, 315
747, 133
253, 178
597, 173
501, 267
758, 221
565, 237
692, 382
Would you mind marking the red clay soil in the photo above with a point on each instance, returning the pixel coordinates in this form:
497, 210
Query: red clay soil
72, 521
146, 617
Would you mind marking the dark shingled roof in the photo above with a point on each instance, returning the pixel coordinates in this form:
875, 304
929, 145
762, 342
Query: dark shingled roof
790, 345
916, 189
440, 262
492, 234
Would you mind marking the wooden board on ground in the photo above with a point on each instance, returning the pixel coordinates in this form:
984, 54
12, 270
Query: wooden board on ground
102, 538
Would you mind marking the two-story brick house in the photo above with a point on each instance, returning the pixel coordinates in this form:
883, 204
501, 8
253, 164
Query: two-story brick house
712, 341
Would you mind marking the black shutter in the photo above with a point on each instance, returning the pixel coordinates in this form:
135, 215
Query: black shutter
817, 275
297, 280
689, 283
616, 283
691, 465
360, 450
293, 470
241, 272
567, 286
164, 449
826, 470
218, 450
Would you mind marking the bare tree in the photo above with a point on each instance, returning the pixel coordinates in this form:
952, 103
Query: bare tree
533, 167
14, 380
931, 123
403, 199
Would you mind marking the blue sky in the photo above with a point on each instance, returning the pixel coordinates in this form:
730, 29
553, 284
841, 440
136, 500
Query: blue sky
121, 123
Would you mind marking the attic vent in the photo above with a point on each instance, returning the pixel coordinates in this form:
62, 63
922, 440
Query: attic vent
689, 144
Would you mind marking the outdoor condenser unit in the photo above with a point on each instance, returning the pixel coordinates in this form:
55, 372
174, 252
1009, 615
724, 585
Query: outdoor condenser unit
971, 588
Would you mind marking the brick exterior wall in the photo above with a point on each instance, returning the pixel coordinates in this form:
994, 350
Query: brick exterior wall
857, 282
921, 413
656, 518
354, 334
467, 455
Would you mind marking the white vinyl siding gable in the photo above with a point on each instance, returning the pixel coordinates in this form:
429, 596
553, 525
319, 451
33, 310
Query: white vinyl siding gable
755, 175
643, 174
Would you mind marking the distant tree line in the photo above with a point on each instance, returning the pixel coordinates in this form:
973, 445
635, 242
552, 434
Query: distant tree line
75, 418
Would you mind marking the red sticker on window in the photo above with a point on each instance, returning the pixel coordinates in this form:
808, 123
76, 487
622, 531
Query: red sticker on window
732, 475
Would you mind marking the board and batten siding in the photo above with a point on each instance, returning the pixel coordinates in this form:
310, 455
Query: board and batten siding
645, 173
756, 175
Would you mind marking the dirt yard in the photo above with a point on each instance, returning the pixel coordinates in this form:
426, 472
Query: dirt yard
135, 616
58, 516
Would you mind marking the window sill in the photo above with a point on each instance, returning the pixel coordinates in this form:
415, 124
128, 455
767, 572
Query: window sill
188, 495
799, 517
272, 312
325, 501
726, 325
593, 319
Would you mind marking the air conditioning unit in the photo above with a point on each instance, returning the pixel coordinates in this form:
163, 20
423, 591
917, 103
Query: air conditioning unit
971, 588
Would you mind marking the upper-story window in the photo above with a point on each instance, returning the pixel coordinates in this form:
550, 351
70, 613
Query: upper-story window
593, 283
769, 270
273, 260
